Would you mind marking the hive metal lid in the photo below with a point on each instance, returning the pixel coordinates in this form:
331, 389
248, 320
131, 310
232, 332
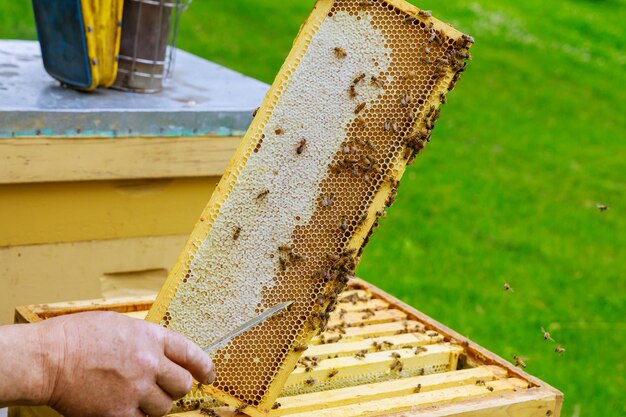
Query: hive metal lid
203, 98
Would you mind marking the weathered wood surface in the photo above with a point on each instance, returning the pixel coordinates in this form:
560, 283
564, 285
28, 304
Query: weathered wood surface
83, 270
387, 389
27, 160
58, 212
439, 355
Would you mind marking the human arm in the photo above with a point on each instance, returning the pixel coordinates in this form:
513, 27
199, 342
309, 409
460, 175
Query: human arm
98, 364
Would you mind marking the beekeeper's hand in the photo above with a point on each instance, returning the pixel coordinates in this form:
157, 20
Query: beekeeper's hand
98, 364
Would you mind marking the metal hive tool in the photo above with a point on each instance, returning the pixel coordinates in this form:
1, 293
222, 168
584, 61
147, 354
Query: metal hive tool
352, 105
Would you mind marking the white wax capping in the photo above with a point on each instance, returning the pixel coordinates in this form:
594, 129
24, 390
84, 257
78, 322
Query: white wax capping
314, 106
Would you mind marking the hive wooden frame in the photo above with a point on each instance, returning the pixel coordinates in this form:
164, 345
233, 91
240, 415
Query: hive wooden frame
532, 398
202, 228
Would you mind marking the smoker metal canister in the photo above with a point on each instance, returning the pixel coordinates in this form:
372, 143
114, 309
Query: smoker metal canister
143, 58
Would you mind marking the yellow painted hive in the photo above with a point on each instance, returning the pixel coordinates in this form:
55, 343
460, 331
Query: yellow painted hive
99, 173
353, 104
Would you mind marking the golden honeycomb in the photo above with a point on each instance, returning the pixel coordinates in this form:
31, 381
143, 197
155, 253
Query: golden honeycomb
353, 104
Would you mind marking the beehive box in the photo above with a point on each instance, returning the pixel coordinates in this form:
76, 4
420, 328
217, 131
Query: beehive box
107, 173
378, 357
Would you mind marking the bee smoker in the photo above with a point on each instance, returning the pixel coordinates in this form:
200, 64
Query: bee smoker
149, 31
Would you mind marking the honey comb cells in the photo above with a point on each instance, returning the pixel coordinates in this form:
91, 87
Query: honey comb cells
353, 104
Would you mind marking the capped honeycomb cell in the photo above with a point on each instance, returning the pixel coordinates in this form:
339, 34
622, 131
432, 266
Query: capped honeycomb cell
353, 104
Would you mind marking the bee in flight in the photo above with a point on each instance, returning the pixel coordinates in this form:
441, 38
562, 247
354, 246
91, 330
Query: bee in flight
546, 335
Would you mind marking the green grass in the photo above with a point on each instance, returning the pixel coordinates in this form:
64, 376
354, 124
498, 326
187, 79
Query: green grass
532, 138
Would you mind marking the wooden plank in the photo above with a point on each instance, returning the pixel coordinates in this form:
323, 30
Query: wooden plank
24, 315
83, 270
126, 305
138, 308
219, 411
374, 330
412, 402
330, 350
79, 159
354, 296
374, 304
58, 212
405, 386
141, 315
534, 402
356, 318
440, 355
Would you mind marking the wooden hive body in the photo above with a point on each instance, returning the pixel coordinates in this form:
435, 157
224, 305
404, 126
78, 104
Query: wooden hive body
448, 368
354, 102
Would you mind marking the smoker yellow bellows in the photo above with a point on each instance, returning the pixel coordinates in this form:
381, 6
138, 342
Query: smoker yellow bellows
354, 102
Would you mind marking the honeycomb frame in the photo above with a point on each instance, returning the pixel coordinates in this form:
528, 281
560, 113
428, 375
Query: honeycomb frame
386, 113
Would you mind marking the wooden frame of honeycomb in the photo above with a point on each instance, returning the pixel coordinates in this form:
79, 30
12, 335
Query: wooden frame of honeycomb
352, 105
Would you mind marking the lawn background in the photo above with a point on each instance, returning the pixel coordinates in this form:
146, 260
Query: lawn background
532, 138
